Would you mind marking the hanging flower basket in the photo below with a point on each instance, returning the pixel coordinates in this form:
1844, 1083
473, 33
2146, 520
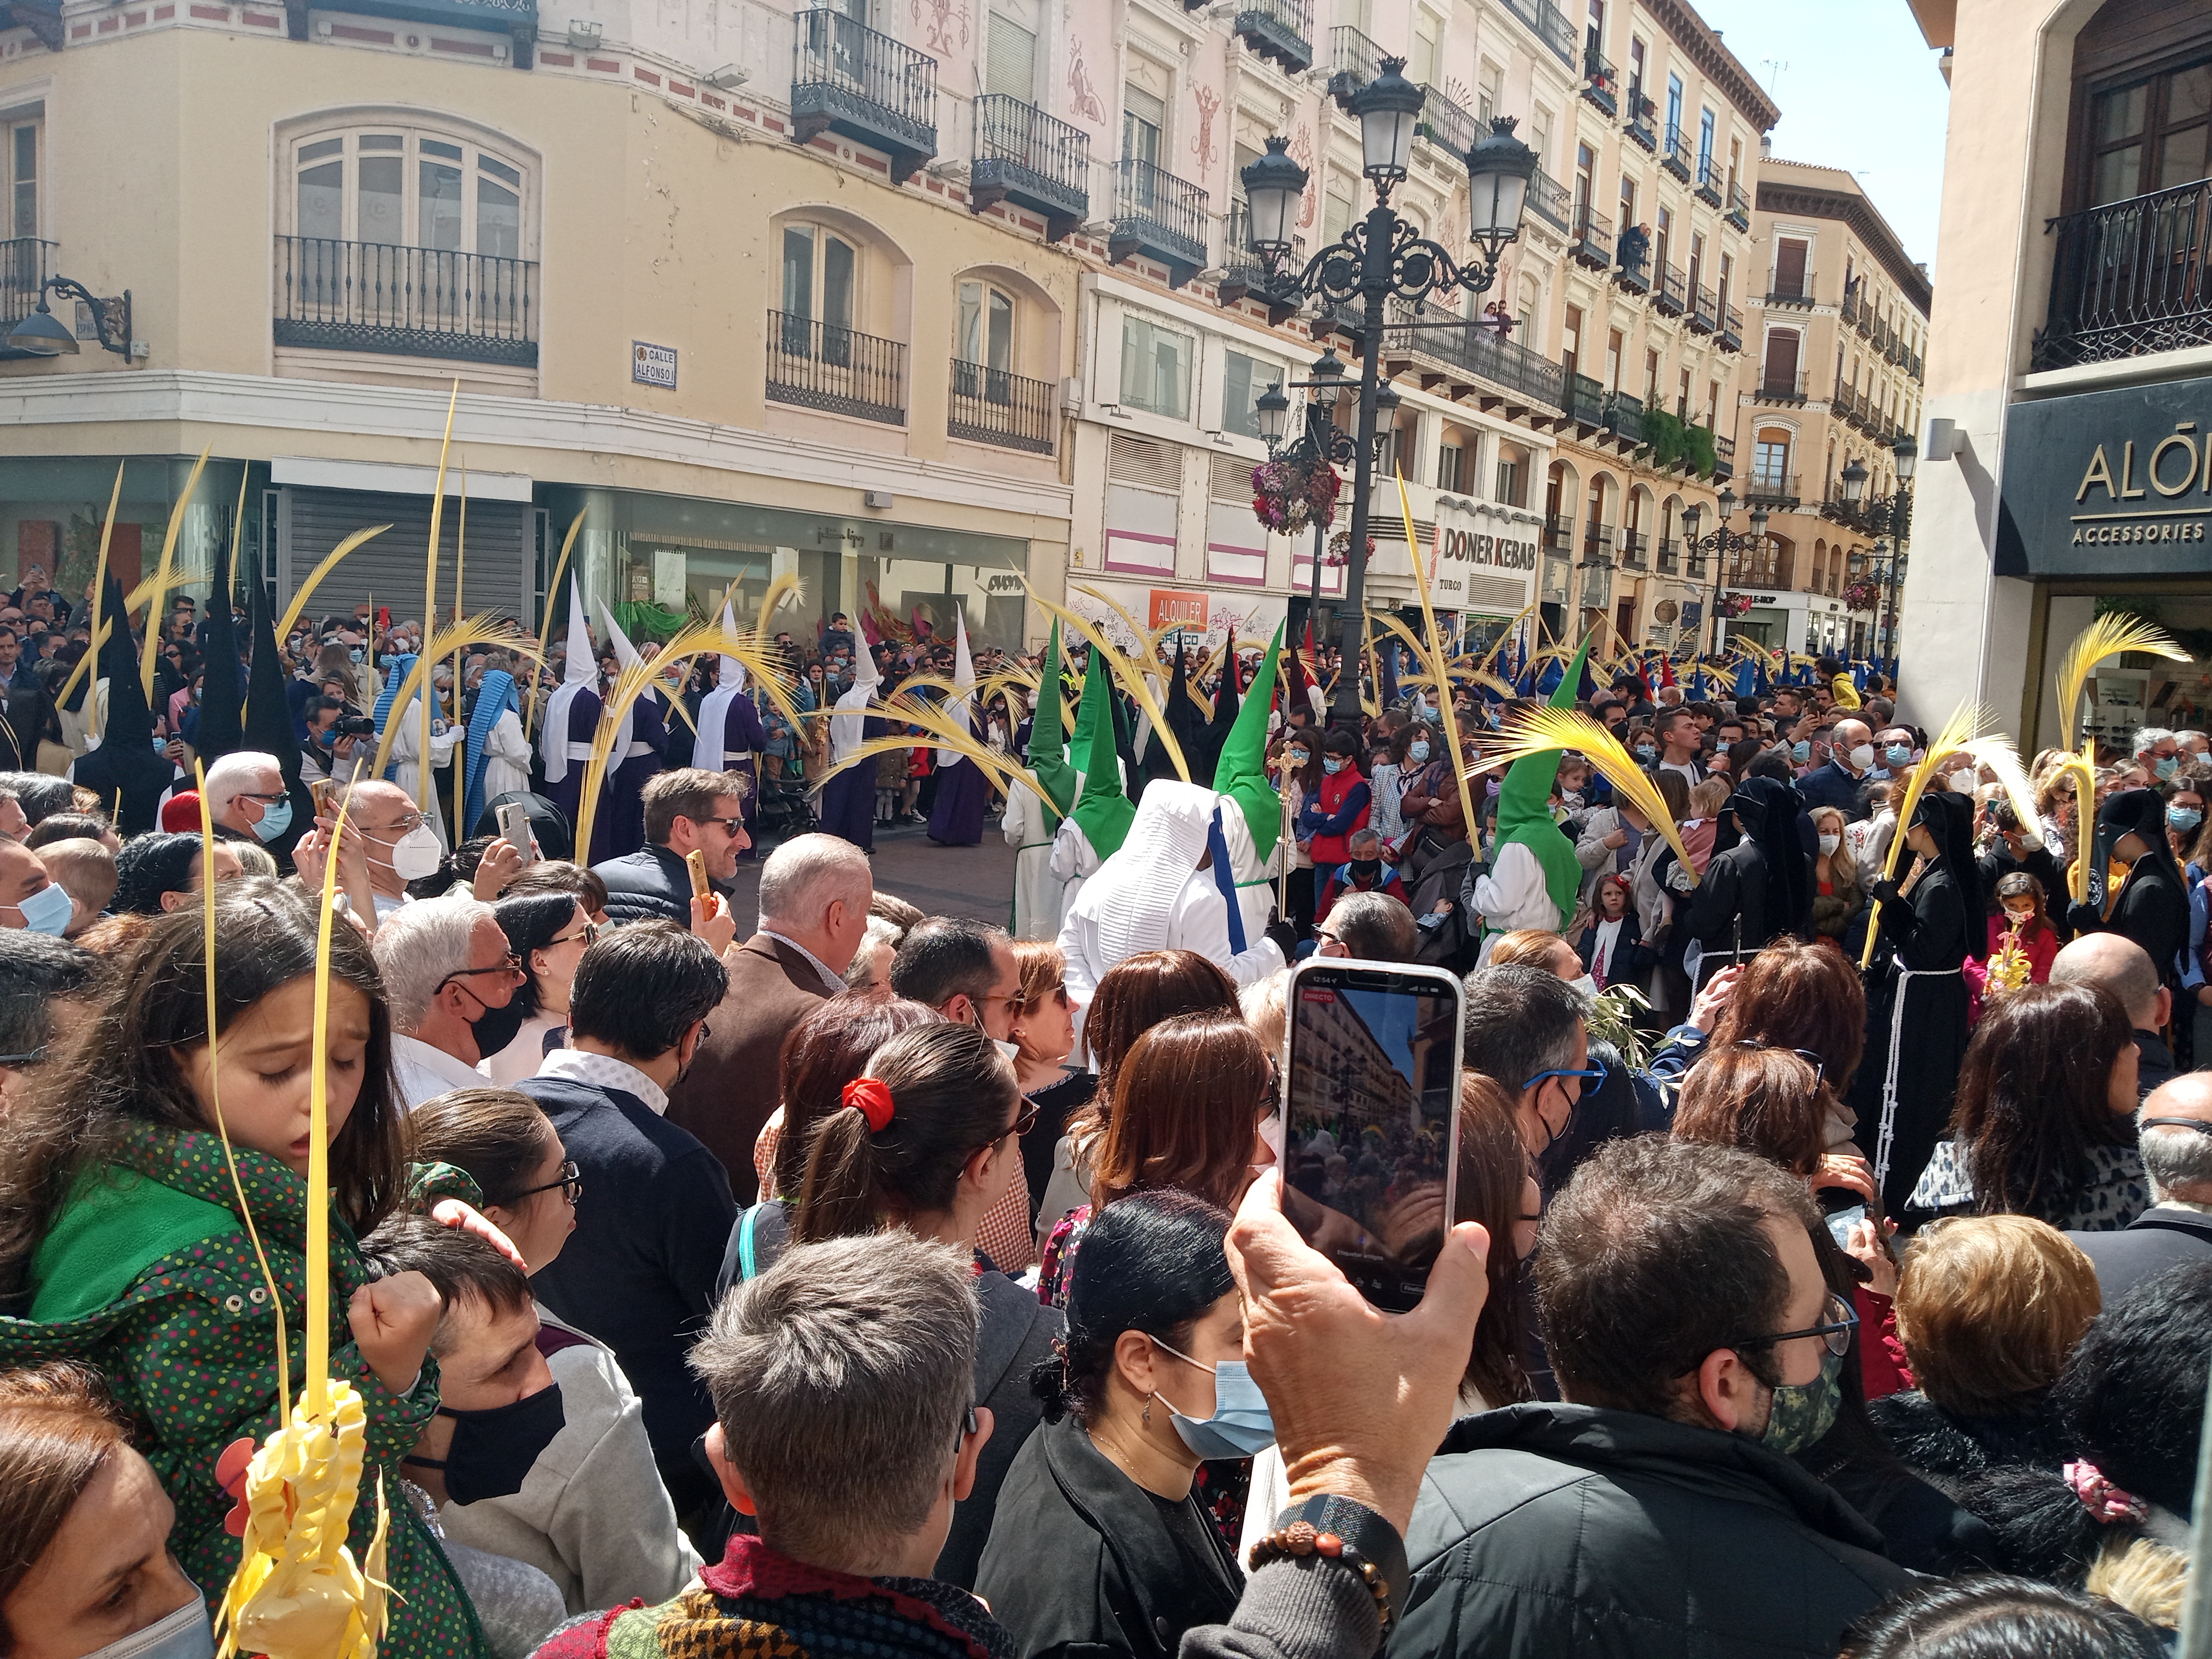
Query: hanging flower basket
1860, 595
1735, 604
1290, 497
1338, 553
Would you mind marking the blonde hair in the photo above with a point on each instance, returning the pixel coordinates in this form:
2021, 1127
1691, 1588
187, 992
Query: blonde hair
84, 868
1527, 947
1266, 1005
1709, 796
1990, 1307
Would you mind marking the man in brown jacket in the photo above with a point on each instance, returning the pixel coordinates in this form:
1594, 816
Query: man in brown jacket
814, 897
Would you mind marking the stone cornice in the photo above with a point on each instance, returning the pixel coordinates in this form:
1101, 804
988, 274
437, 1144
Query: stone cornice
1777, 194
1695, 36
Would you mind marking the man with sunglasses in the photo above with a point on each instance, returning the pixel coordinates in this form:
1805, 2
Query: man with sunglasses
447, 966
686, 811
2174, 1134
1656, 1507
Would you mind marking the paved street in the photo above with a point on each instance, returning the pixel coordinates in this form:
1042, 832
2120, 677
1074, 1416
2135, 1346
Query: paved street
945, 881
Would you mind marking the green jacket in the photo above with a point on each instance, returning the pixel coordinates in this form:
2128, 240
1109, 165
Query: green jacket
146, 1274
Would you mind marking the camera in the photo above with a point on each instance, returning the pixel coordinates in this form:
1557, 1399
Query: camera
353, 726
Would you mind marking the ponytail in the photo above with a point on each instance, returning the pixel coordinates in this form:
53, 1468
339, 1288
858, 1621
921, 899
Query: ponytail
904, 1129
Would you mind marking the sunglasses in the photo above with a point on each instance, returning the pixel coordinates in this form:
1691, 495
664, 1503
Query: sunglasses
510, 966
1835, 1332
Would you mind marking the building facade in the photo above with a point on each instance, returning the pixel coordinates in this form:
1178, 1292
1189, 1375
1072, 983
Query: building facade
1839, 331
2070, 372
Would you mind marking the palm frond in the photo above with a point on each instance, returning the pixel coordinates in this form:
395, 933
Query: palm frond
1543, 730
786, 589
938, 725
1125, 673
100, 628
1958, 731
1150, 662
487, 629
164, 577
2085, 812
1435, 655
330, 562
2107, 637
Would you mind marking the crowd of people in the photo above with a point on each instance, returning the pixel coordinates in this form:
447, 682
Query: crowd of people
877, 1281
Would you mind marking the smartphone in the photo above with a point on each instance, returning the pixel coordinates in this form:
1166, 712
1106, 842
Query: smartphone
1372, 1077
696, 862
328, 796
515, 829
1841, 1223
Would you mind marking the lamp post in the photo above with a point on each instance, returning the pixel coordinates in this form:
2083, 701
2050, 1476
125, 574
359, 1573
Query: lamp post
1722, 543
1886, 515
42, 334
1377, 260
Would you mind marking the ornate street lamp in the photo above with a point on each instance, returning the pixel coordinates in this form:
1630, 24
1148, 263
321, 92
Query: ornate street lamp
1378, 260
1721, 543
42, 334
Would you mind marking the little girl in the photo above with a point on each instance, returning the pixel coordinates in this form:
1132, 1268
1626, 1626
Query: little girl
122, 1245
2020, 919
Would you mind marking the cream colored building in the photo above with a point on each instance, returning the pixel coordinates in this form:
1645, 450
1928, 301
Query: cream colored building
1839, 331
2070, 376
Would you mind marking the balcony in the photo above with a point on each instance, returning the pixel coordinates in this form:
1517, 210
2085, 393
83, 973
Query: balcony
1671, 294
1246, 278
1549, 201
1473, 361
1642, 114
1546, 21
1635, 550
840, 370
1597, 542
1728, 336
1278, 30
516, 18
1559, 533
1674, 152
1160, 216
1723, 458
1849, 310
1704, 311
1708, 189
1593, 243
25, 264
1693, 568
1779, 386
1771, 487
1585, 401
1759, 566
1668, 562
1601, 81
847, 78
1739, 206
1796, 290
1624, 418
990, 406
1448, 127
404, 302
1024, 157
1354, 61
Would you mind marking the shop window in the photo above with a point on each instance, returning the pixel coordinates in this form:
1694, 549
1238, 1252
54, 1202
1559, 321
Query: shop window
1155, 368
1244, 381
400, 185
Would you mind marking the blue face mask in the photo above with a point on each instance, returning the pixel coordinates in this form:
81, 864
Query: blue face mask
1897, 755
1333, 765
1645, 752
2168, 767
1801, 752
48, 910
1241, 1425
275, 820
184, 1634
2183, 817
1722, 745
1418, 751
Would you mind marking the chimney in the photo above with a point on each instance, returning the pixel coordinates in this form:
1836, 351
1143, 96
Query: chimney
1766, 146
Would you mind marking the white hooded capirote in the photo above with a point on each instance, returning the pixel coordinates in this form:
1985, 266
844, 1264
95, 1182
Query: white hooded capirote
578, 669
849, 726
625, 747
710, 753
1159, 893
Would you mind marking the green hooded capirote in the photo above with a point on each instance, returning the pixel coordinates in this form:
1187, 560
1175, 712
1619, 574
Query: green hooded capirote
1524, 808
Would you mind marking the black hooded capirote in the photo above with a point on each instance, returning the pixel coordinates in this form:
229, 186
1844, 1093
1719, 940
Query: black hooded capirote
126, 771
1226, 702
1762, 887
268, 725
2152, 907
222, 709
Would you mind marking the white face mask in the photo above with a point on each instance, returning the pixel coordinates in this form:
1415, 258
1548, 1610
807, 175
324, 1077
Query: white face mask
1861, 756
186, 1633
1586, 985
1270, 1134
416, 855
1829, 843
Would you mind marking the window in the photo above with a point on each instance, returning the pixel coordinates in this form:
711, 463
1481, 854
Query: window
1010, 59
1735, 162
1696, 261
1627, 202
1682, 399
987, 326
1571, 340
1705, 147
1597, 25
1585, 176
1636, 53
1454, 472
23, 178
1244, 381
1540, 135
820, 275
1613, 345
1487, 97
1770, 464
404, 187
1422, 71
1336, 208
1155, 368
2151, 136
1673, 108
1652, 378
1143, 118
1728, 281
1662, 236
1512, 482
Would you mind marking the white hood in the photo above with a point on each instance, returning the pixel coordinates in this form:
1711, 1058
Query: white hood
1135, 891
711, 750
849, 726
961, 711
577, 672
626, 656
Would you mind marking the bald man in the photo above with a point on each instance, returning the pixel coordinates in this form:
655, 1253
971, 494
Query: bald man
2124, 968
2175, 1129
1841, 783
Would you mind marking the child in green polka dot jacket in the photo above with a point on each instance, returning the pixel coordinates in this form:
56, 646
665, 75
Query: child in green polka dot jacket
122, 1245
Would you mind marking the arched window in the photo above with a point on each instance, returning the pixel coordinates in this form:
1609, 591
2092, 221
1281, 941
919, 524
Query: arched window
397, 183
821, 276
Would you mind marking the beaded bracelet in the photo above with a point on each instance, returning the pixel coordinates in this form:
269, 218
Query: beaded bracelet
1303, 1537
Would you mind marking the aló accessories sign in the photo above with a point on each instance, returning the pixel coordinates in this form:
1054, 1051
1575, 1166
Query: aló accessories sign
2109, 483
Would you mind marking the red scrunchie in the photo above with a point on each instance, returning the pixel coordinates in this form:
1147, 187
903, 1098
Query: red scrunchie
873, 1099
2100, 1497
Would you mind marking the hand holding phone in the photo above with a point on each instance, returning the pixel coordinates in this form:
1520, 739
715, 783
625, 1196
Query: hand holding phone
696, 862
515, 829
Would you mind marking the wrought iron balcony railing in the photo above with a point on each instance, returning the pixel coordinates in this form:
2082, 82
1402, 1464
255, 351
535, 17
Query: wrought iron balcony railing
1475, 350
1635, 550
1548, 200
1447, 126
990, 406
1739, 206
1559, 530
1770, 485
1674, 151
1669, 559
404, 302
1791, 290
1601, 81
1642, 114
818, 365
1592, 243
1354, 61
1025, 157
1671, 292
1708, 188
1729, 335
2129, 277
1704, 310
1779, 386
25, 262
1585, 400
1724, 456
1624, 416
1547, 23
1279, 29
1849, 310
1160, 216
846, 77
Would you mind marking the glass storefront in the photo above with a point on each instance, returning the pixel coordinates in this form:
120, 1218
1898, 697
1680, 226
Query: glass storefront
664, 560
51, 511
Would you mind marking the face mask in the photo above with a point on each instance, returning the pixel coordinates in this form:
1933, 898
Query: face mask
275, 820
1333, 765
416, 854
1418, 751
1861, 756
48, 910
2018, 917
1366, 869
354, 655
1803, 1411
1722, 746
186, 1633
1012, 1051
493, 1450
1801, 752
1829, 843
2168, 767
1645, 752
1270, 1134
1240, 1425
496, 1027
1897, 755
1586, 985
2183, 817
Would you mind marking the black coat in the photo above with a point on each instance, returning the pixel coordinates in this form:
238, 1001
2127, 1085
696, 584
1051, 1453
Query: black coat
1084, 1563
1543, 1530
1945, 1446
650, 884
2159, 1238
1728, 908
1998, 863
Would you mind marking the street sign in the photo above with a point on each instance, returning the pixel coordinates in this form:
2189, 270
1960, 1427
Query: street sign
652, 365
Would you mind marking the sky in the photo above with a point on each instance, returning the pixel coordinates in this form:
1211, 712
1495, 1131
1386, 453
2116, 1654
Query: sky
1858, 89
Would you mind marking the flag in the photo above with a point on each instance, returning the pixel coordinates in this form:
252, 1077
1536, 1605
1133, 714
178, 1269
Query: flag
1548, 681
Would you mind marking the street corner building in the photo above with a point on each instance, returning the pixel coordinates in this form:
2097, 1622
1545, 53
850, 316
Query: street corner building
2070, 385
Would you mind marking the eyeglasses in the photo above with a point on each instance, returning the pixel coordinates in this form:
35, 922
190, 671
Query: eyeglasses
511, 965
590, 935
730, 827
18, 1062
1593, 1075
571, 1184
968, 1426
401, 826
1835, 1332
266, 801
1057, 991
1025, 1121
1820, 1066
2198, 1124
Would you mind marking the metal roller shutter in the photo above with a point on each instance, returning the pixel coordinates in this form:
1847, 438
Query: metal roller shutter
498, 577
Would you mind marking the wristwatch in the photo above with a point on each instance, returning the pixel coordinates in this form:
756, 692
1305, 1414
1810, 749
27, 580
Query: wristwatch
1342, 1530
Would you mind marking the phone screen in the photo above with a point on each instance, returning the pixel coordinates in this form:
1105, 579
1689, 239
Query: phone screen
1370, 1120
